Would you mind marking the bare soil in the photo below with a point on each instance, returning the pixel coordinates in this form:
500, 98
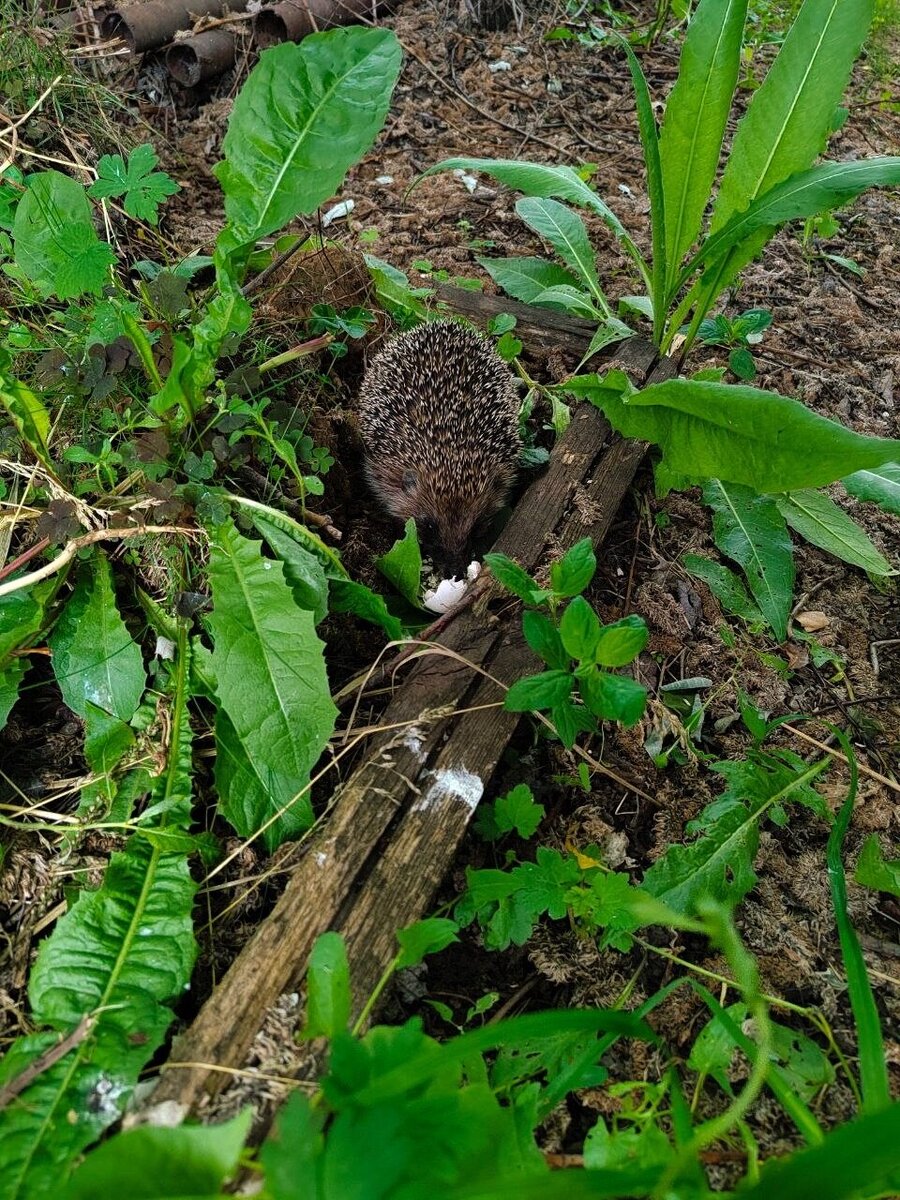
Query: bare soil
834, 343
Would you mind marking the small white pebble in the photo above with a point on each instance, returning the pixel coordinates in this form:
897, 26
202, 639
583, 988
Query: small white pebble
384, 180
469, 182
625, 189
337, 211
447, 593
500, 65
473, 570
619, 572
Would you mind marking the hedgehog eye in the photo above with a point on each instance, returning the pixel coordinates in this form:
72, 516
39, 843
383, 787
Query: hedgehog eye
410, 482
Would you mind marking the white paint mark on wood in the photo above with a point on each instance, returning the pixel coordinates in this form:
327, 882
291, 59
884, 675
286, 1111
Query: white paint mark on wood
454, 785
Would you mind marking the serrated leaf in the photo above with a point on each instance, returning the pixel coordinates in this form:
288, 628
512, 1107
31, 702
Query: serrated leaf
817, 518
751, 531
525, 278
270, 673
306, 114
515, 812
303, 571
881, 486
426, 937
348, 596
95, 660
56, 244
143, 188
327, 987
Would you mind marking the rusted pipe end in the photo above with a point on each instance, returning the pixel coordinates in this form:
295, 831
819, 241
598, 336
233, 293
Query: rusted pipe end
201, 57
114, 25
289, 21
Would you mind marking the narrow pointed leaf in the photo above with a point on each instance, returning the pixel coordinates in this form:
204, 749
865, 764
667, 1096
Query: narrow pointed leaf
696, 114
881, 486
817, 518
565, 232
751, 531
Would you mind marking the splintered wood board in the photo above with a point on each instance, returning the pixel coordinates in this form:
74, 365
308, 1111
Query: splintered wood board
394, 827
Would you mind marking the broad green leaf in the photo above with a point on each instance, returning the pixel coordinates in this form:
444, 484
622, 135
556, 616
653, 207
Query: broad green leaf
348, 596
122, 952
244, 785
27, 413
696, 114
750, 530
881, 486
514, 578
566, 233
790, 115
143, 187
831, 1171
579, 628
650, 144
293, 1150
402, 564
305, 115
426, 937
95, 660
302, 569
269, 670
163, 1163
543, 638
873, 870
805, 194
526, 278
11, 677
817, 518
327, 987
571, 574
606, 1150
22, 615
535, 692
727, 587
612, 697
621, 642
56, 244
768, 442
539, 179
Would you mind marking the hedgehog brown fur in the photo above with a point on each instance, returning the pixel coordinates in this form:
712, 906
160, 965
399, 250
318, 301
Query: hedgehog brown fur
438, 413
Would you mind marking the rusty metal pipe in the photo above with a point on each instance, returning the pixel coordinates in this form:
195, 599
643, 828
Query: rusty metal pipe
146, 26
201, 57
294, 19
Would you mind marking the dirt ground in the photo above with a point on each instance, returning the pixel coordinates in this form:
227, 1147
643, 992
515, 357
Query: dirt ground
834, 343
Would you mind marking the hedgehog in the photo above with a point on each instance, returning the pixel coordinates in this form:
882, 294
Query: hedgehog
438, 414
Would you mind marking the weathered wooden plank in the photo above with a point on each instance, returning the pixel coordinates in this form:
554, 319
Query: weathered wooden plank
396, 823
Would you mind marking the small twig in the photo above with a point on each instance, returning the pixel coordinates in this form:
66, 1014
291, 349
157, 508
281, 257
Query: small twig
45, 1061
257, 281
72, 548
891, 783
24, 557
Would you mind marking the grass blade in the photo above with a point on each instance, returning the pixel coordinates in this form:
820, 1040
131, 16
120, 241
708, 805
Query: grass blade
872, 1065
694, 125
650, 143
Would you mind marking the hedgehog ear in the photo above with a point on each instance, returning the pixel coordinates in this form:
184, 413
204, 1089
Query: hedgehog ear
410, 482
